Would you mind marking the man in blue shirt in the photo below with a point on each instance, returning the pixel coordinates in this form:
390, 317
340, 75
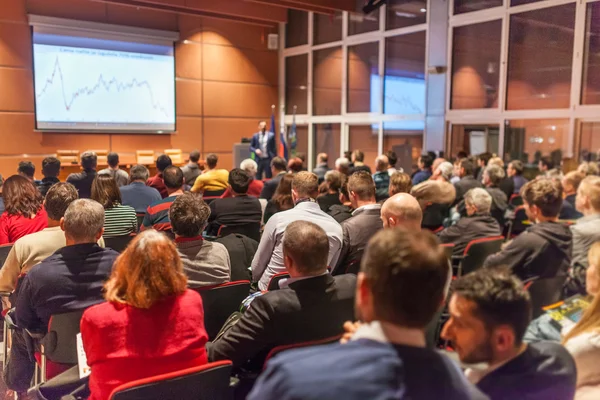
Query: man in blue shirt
424, 163
263, 147
137, 194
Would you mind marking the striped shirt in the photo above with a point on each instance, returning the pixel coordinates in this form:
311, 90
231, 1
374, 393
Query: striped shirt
119, 221
157, 215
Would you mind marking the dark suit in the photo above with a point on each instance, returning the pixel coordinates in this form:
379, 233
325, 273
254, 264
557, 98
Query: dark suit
310, 309
241, 252
264, 160
83, 182
464, 185
320, 170
470, 228
234, 211
270, 187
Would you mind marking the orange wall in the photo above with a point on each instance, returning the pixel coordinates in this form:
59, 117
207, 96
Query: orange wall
226, 81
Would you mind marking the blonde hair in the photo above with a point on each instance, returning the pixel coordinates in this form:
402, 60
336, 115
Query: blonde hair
496, 161
590, 321
588, 168
590, 187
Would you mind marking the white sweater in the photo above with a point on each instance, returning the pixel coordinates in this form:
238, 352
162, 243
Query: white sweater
585, 349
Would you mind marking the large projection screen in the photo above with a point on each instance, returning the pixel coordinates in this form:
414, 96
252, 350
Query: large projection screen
88, 83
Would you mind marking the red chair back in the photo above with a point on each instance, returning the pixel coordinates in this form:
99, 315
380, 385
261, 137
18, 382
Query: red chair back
275, 279
276, 350
477, 251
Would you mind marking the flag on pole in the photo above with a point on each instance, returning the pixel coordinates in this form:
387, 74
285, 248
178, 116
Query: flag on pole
293, 135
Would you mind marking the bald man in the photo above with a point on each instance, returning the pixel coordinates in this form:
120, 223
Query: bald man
403, 210
381, 177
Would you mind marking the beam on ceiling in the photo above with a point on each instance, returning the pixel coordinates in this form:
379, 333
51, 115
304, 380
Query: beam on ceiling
289, 4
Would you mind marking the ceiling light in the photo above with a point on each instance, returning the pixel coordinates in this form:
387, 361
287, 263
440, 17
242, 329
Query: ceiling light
186, 41
423, 10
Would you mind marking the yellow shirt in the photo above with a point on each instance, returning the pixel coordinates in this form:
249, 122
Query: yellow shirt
215, 179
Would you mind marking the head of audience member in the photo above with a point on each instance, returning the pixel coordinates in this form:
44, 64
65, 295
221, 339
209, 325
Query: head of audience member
358, 157
57, 200
302, 158
466, 168
483, 159
344, 195
148, 271
334, 181
433, 192
400, 183
496, 161
478, 201
173, 178
211, 161
113, 160
382, 163
294, 165
305, 249
342, 165
489, 313
493, 175
162, 162
571, 181
588, 168
437, 162
278, 166
239, 181
188, 215
402, 210
425, 162
587, 201
262, 126
21, 197
250, 167
50, 167
361, 188
89, 160
542, 199
322, 159
105, 191
83, 222
515, 168
305, 186
26, 169
444, 171
545, 164
194, 157
138, 173
403, 280
461, 154
392, 158
282, 198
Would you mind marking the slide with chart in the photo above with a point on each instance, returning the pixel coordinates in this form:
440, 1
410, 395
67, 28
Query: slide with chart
88, 84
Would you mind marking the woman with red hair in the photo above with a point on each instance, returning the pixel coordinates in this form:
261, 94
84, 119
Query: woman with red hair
24, 213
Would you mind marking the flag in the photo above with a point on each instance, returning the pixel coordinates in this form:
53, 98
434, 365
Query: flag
293, 135
283, 148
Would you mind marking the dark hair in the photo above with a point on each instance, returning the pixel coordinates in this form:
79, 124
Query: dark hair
294, 165
89, 160
239, 180
344, 189
301, 156
194, 156
518, 166
21, 197
26, 168
407, 273
467, 166
358, 155
361, 183
162, 162
112, 159
545, 193
462, 154
500, 298
547, 162
307, 244
58, 199
211, 160
334, 180
173, 177
426, 160
485, 157
392, 157
282, 198
188, 215
279, 164
51, 167
105, 191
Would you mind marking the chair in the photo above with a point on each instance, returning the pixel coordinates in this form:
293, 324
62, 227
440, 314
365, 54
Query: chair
68, 156
176, 155
517, 223
275, 279
544, 292
119, 243
477, 251
220, 302
250, 230
209, 195
276, 350
102, 156
206, 382
144, 157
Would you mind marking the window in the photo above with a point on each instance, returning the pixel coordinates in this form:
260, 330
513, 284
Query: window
465, 6
327, 81
405, 138
296, 29
361, 23
474, 139
366, 139
327, 28
590, 91
363, 74
540, 58
296, 84
589, 145
326, 140
531, 139
476, 65
404, 78
521, 2
402, 13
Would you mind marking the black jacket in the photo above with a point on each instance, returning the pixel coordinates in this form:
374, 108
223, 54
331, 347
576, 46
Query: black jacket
309, 309
83, 182
270, 187
464, 185
544, 371
45, 184
241, 251
434, 216
499, 204
507, 185
543, 250
340, 212
568, 210
470, 228
234, 211
327, 200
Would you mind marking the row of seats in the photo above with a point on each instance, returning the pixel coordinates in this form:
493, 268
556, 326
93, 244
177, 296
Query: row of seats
143, 157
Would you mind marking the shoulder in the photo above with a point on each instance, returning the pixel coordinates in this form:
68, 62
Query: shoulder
213, 246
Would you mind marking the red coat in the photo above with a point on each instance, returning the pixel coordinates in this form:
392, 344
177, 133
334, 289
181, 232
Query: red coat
123, 343
13, 227
254, 189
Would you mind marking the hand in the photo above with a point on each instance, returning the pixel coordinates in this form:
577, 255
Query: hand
350, 329
258, 152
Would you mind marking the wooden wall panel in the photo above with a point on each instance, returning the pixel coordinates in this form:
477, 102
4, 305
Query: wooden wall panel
75, 9
17, 90
142, 17
239, 65
219, 133
228, 33
15, 48
13, 10
225, 99
189, 97
188, 60
189, 134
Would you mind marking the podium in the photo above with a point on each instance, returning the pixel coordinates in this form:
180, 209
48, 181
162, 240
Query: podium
241, 151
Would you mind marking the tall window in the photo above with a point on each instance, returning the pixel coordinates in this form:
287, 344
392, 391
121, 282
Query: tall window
590, 91
296, 29
327, 81
363, 76
296, 83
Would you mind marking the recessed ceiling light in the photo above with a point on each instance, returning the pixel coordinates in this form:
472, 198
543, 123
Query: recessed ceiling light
423, 10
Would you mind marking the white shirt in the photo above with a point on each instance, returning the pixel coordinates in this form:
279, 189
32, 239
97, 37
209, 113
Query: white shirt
263, 139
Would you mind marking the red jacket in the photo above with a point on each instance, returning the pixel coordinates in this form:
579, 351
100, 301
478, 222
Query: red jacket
158, 183
254, 189
13, 227
123, 343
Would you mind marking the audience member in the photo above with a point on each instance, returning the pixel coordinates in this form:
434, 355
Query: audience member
204, 262
515, 171
587, 230
83, 180
302, 157
263, 147
322, 168
241, 250
443, 172
69, 280
50, 170
492, 177
255, 187
121, 177
381, 177
456, 171
149, 325
333, 181
282, 199
269, 259
119, 220
588, 168
313, 306
358, 158
401, 286
278, 169
27, 170
437, 161
399, 183
24, 212
137, 194
342, 165
157, 214
239, 210
294, 165
392, 159
365, 221
548, 169
544, 250
478, 223
482, 162
192, 169
435, 198
424, 173
507, 185
467, 180
570, 184
343, 211
213, 181
402, 210
489, 313
157, 182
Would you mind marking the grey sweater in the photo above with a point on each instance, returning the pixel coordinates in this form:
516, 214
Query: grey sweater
205, 263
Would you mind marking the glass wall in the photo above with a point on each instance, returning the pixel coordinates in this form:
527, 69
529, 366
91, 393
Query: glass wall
296, 30
326, 139
590, 93
296, 83
402, 13
327, 82
363, 77
365, 138
327, 28
465, 6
